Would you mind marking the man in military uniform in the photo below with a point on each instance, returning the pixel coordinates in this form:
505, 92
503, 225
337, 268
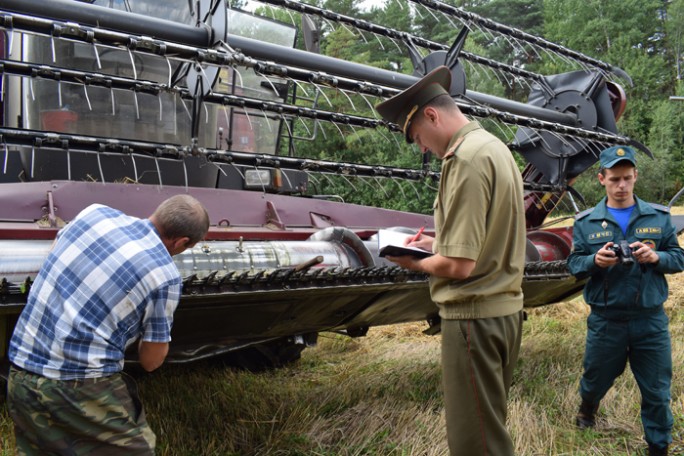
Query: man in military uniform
626, 291
477, 267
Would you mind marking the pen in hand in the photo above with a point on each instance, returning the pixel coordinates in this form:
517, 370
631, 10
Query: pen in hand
417, 236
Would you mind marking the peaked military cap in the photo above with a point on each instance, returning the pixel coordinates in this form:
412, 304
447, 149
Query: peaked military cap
613, 155
401, 108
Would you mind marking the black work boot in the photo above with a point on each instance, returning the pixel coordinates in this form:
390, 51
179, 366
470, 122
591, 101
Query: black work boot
656, 450
586, 417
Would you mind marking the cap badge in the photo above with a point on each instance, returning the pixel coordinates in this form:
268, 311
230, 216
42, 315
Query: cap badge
620, 152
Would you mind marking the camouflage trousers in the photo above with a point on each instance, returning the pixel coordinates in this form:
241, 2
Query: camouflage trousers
99, 416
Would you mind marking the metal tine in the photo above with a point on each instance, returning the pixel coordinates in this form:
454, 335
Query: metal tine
97, 56
498, 125
85, 90
287, 125
429, 10
111, 91
249, 119
59, 93
68, 154
225, 114
168, 63
312, 176
526, 131
271, 9
396, 44
137, 108
320, 90
284, 174
161, 107
99, 166
476, 69
364, 180
348, 97
206, 113
269, 81
451, 22
235, 167
512, 41
363, 37
52, 47
300, 86
414, 188
583, 141
330, 24
31, 91
291, 16
380, 186
135, 71
417, 10
561, 138
322, 129
338, 128
382, 46
10, 43
349, 182
187, 111
4, 168
369, 105
356, 133
268, 121
403, 194
185, 172
327, 177
156, 162
33, 159
509, 128
135, 168
308, 131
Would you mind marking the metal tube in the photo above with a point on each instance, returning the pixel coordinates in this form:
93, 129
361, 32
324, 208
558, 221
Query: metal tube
91, 15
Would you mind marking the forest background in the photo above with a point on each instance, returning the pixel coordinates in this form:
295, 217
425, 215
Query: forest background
645, 38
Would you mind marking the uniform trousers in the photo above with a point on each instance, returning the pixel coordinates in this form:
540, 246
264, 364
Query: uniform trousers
644, 341
478, 359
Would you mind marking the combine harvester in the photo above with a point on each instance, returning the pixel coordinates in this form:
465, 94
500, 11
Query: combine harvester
127, 102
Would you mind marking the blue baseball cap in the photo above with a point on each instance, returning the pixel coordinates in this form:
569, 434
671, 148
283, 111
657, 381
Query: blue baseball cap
613, 155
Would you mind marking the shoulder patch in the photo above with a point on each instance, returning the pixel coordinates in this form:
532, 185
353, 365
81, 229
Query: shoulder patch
584, 213
660, 207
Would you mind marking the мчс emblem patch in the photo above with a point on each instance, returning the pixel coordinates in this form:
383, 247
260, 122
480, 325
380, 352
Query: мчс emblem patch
650, 243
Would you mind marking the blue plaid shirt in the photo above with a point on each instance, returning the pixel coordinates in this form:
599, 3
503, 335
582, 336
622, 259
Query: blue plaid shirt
107, 282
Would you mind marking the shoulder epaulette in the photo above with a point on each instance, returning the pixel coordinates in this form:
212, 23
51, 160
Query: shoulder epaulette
660, 207
584, 213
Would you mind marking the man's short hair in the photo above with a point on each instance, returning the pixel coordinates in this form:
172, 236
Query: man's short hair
182, 216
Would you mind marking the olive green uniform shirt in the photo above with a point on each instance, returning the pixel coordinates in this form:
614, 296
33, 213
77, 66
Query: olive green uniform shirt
479, 215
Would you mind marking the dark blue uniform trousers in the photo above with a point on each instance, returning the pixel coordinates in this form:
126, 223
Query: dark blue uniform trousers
645, 342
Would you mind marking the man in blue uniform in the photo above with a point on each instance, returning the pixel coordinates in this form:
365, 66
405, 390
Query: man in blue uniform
626, 291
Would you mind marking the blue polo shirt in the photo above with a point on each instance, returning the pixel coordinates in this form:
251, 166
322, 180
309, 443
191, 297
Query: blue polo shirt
107, 282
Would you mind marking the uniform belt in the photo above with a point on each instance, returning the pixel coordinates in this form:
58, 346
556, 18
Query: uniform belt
617, 313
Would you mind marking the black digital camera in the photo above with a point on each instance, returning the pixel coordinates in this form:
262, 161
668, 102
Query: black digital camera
623, 252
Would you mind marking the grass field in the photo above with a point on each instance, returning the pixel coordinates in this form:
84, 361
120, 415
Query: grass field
381, 395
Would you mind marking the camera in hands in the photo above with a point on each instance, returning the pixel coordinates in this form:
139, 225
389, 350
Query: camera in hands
623, 252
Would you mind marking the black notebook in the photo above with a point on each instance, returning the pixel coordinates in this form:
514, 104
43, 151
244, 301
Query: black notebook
391, 243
